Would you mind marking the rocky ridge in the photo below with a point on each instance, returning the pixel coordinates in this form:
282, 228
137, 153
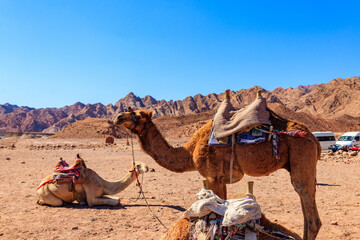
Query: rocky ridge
322, 105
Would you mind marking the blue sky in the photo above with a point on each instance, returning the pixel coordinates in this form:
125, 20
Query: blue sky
55, 53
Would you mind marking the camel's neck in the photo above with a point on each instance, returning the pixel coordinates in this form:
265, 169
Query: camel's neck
111, 188
173, 159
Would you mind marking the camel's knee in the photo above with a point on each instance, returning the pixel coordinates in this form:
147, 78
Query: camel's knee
304, 187
40, 202
299, 188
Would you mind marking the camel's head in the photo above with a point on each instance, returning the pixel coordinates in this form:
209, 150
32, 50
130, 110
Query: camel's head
134, 120
141, 167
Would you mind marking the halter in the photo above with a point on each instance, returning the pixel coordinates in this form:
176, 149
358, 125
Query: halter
135, 123
134, 120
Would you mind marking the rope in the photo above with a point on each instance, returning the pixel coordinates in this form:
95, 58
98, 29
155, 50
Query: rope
273, 234
139, 193
141, 190
232, 156
133, 162
132, 150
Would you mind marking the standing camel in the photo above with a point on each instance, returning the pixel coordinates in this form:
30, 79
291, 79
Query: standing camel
299, 156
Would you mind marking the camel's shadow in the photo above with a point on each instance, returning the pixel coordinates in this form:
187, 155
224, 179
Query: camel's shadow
121, 206
328, 185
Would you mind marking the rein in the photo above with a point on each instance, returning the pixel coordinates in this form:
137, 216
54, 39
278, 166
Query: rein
133, 171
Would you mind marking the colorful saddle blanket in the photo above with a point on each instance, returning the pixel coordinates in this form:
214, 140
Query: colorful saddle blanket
210, 227
63, 171
251, 137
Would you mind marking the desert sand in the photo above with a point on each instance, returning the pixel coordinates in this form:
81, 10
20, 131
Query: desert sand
24, 162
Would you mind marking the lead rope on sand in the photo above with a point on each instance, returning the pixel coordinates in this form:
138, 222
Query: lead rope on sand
140, 186
274, 234
133, 163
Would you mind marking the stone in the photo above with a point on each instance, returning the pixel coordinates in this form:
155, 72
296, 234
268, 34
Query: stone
109, 140
353, 154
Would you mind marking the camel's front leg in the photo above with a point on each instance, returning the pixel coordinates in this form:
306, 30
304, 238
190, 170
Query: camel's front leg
218, 186
92, 200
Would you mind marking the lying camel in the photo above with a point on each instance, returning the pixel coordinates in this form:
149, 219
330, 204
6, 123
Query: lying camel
299, 156
89, 188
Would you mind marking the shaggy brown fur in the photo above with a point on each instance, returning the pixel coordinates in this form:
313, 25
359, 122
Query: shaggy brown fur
298, 155
181, 231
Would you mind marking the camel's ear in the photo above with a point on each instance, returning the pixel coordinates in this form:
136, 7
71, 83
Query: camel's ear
146, 114
149, 114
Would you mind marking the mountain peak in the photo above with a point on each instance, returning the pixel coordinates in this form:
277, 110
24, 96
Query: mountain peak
130, 94
330, 100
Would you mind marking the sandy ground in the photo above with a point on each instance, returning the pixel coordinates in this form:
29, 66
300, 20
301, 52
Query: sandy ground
168, 193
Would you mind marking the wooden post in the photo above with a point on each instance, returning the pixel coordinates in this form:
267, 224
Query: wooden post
250, 187
258, 94
205, 184
249, 234
250, 190
227, 94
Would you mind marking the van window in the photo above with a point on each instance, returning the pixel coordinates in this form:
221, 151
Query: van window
357, 138
323, 139
346, 138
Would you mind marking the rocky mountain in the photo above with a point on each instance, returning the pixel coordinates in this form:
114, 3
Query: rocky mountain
336, 101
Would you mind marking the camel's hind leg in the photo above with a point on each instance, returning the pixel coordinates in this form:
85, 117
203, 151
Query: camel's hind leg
303, 159
47, 198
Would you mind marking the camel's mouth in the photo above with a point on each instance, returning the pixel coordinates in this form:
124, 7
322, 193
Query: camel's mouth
142, 168
145, 169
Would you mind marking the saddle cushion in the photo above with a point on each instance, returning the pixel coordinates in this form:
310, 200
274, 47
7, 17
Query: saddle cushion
228, 122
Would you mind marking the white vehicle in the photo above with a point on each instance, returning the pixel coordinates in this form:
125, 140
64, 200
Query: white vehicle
349, 139
325, 138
